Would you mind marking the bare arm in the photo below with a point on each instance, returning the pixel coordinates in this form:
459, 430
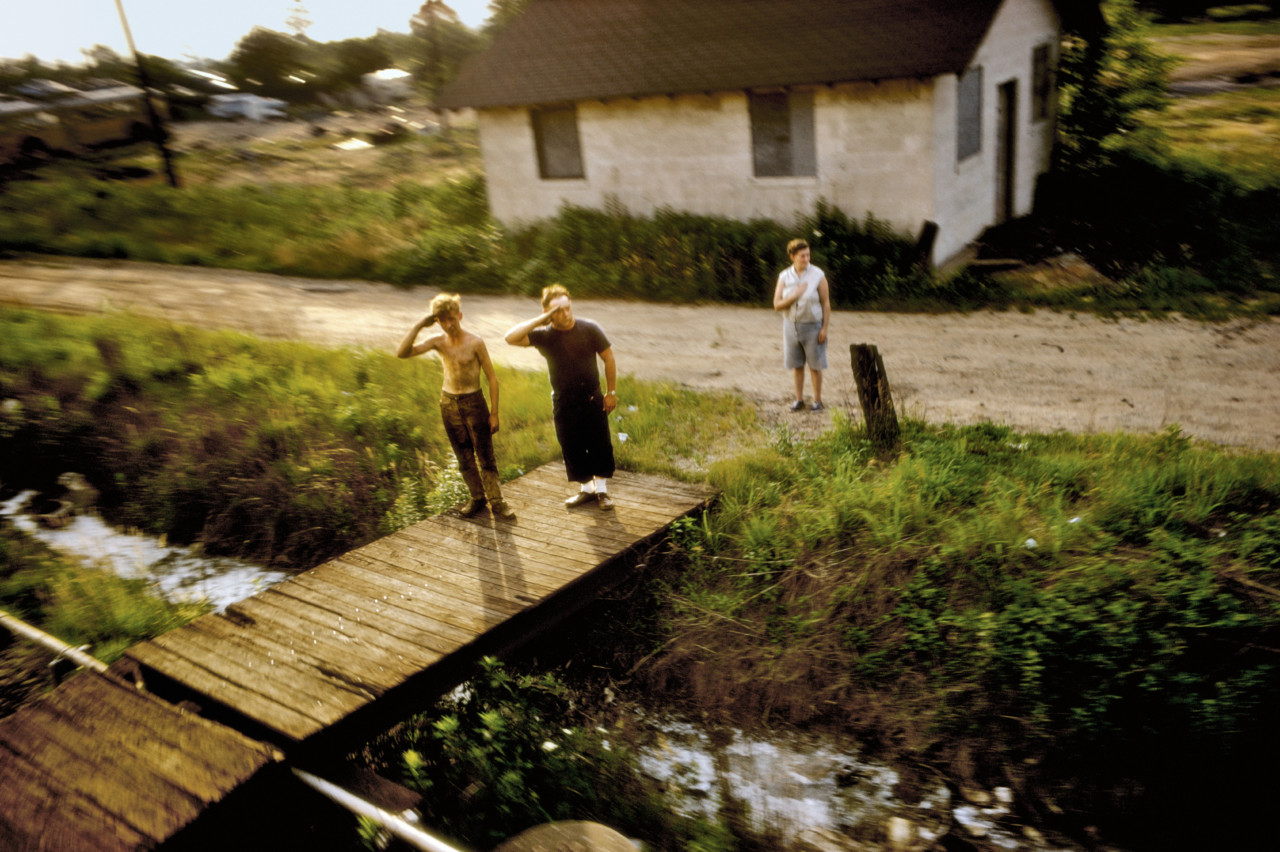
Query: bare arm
824, 296
482, 353
610, 379
519, 333
407, 349
780, 303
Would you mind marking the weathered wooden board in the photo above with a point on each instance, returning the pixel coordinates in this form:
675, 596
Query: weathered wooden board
304, 655
99, 765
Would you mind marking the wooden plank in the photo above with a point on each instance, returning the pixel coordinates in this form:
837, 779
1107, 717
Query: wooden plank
40, 814
385, 583
111, 781
456, 620
295, 721
284, 685
304, 623
555, 571
655, 505
291, 658
543, 538
532, 537
620, 528
204, 758
457, 589
399, 624
453, 560
552, 475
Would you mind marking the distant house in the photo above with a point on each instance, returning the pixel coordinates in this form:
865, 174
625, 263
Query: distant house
245, 105
916, 111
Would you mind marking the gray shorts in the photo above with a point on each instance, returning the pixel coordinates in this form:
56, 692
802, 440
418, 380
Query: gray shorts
800, 346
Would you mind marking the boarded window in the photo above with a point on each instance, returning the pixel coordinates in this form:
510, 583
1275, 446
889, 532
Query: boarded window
555, 133
969, 114
782, 133
1041, 83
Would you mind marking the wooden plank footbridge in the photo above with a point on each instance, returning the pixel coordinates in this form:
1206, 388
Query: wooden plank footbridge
311, 665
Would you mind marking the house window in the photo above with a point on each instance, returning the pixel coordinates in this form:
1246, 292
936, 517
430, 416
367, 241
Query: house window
555, 134
1041, 83
969, 114
782, 133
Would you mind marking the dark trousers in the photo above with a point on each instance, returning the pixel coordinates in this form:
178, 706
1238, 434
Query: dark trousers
582, 428
466, 422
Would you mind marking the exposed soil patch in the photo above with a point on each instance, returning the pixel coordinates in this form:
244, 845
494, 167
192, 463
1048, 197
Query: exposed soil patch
1041, 371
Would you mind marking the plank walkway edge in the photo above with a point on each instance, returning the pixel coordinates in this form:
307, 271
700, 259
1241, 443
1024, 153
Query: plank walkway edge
410, 619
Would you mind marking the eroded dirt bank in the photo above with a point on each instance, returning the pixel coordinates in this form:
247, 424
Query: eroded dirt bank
1041, 372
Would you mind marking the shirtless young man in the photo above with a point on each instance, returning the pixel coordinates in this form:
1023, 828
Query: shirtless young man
468, 422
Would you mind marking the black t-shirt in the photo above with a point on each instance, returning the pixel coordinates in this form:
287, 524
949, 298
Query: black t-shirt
571, 356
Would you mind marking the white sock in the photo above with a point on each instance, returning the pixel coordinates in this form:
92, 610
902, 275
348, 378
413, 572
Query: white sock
602, 485
588, 487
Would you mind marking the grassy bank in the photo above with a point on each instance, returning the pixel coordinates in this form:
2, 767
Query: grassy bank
1090, 619
277, 452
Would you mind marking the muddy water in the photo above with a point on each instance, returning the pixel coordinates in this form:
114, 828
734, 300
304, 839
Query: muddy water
175, 573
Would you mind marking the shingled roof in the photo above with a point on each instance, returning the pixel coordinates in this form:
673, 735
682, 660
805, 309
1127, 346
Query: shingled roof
568, 50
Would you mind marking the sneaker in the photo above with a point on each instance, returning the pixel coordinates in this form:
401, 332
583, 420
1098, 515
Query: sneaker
579, 499
501, 510
817, 406
604, 501
471, 507
798, 405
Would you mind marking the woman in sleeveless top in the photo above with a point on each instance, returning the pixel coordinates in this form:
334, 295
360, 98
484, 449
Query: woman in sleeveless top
803, 297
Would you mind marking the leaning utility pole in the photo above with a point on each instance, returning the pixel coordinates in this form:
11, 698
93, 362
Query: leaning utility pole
157, 131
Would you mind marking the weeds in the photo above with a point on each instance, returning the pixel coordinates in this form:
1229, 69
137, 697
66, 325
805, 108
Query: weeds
1052, 597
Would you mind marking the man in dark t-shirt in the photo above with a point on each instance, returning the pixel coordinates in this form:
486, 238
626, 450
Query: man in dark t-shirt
580, 410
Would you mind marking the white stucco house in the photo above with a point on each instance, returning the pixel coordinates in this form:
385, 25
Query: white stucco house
916, 111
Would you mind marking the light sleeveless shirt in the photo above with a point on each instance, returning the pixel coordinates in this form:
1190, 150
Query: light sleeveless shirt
808, 308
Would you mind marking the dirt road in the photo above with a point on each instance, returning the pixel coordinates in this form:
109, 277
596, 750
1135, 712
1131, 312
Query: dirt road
1036, 372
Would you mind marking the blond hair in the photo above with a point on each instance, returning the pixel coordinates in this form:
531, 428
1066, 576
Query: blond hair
551, 292
445, 303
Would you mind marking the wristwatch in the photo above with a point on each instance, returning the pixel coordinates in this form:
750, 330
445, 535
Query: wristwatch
610, 393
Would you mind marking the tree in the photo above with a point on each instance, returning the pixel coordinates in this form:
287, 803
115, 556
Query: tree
430, 24
269, 63
341, 64
299, 20
1107, 80
501, 13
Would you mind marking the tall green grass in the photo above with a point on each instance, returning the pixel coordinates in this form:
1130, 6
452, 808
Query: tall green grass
81, 605
1077, 607
280, 452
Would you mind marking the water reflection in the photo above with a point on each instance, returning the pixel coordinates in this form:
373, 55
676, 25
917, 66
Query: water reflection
176, 573
795, 784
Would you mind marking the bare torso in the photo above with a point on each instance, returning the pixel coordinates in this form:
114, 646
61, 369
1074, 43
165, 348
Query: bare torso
461, 359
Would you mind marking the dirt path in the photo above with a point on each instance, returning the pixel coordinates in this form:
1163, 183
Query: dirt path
1036, 372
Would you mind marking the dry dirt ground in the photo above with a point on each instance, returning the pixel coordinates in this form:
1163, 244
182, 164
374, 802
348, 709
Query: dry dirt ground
1041, 371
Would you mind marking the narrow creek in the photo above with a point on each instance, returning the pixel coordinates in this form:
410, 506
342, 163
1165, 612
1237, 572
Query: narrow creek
793, 786
176, 573
797, 786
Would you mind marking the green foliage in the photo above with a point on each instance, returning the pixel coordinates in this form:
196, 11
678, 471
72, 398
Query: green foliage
277, 451
508, 751
1062, 597
78, 604
1106, 81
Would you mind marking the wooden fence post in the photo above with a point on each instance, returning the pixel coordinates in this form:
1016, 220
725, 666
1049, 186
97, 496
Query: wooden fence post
874, 395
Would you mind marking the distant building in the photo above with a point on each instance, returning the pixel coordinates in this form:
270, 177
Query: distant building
387, 85
245, 105
916, 111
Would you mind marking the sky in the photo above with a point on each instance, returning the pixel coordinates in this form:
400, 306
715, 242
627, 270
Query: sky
57, 30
